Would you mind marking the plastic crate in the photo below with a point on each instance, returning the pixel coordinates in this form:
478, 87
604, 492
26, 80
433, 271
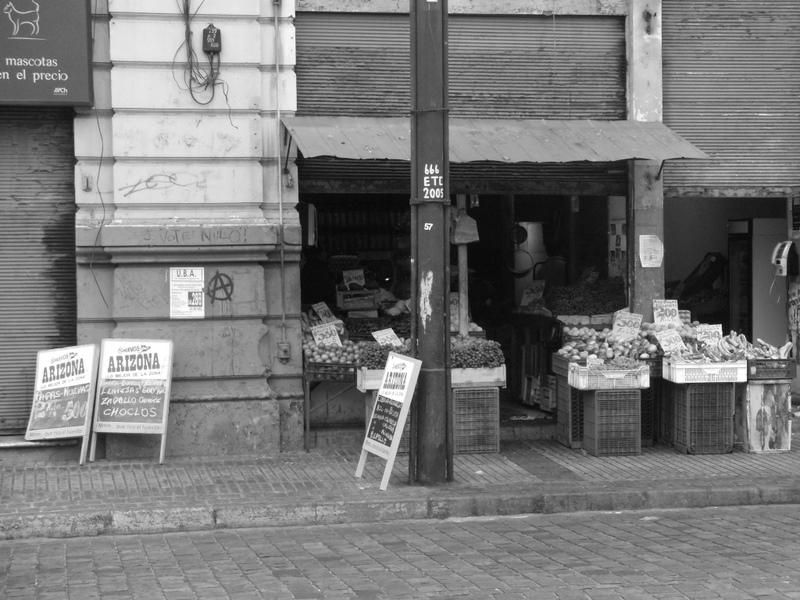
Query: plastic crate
476, 420
559, 364
649, 407
313, 371
656, 366
703, 417
569, 414
586, 378
771, 368
355, 299
720, 372
612, 422
664, 412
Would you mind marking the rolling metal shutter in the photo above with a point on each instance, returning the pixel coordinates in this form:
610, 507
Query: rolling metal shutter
731, 86
566, 67
37, 250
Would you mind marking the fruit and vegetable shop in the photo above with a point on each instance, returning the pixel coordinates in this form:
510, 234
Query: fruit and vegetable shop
548, 334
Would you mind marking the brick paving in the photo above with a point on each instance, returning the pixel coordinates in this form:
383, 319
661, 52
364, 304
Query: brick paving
730, 553
129, 496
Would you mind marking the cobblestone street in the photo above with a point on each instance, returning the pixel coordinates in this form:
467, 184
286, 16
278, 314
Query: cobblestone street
725, 553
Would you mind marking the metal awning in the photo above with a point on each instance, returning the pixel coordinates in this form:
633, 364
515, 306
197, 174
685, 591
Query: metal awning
498, 140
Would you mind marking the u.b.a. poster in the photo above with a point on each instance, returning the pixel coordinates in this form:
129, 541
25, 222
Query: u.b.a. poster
133, 388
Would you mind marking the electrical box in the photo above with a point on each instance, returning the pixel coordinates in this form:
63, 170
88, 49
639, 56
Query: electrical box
212, 40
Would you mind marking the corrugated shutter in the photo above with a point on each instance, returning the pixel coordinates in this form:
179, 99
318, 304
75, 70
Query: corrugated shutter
37, 250
566, 67
731, 77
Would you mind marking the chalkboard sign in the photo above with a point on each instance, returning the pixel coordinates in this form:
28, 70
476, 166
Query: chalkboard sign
390, 411
383, 423
63, 394
133, 387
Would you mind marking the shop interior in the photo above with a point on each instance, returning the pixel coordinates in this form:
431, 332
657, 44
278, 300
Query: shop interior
572, 247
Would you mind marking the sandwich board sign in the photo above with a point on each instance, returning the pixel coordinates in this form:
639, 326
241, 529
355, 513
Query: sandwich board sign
389, 413
133, 386
63, 394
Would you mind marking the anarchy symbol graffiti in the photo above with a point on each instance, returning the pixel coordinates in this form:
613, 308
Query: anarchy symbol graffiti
220, 287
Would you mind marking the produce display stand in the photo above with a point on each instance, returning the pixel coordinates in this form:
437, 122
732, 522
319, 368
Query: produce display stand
476, 406
763, 406
703, 400
533, 339
314, 373
612, 418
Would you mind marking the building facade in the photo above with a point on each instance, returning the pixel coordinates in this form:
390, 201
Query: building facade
184, 161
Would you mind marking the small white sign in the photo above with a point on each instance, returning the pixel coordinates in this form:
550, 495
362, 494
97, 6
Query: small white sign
386, 337
326, 335
324, 312
709, 333
670, 341
651, 251
626, 325
187, 293
665, 312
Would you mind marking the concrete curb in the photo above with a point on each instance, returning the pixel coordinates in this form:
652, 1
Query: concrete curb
437, 504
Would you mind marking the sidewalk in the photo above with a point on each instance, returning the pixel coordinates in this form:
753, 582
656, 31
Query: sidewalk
105, 497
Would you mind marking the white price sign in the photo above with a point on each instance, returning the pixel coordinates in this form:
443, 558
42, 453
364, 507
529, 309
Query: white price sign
326, 335
670, 341
665, 312
626, 325
386, 337
706, 333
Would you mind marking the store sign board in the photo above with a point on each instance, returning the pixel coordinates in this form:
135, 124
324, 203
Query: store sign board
133, 387
389, 413
665, 312
63, 394
45, 53
626, 325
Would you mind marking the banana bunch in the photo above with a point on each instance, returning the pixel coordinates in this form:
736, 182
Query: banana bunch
737, 347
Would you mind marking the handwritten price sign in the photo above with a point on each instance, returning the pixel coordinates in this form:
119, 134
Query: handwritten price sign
665, 312
670, 341
323, 312
626, 325
709, 333
386, 337
326, 335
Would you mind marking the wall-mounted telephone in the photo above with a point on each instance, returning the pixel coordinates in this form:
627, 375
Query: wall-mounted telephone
784, 257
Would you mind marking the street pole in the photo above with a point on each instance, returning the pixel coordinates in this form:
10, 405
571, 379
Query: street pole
431, 456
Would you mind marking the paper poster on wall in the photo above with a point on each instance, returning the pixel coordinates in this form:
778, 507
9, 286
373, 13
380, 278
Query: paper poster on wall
63, 394
133, 387
651, 251
389, 413
186, 292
